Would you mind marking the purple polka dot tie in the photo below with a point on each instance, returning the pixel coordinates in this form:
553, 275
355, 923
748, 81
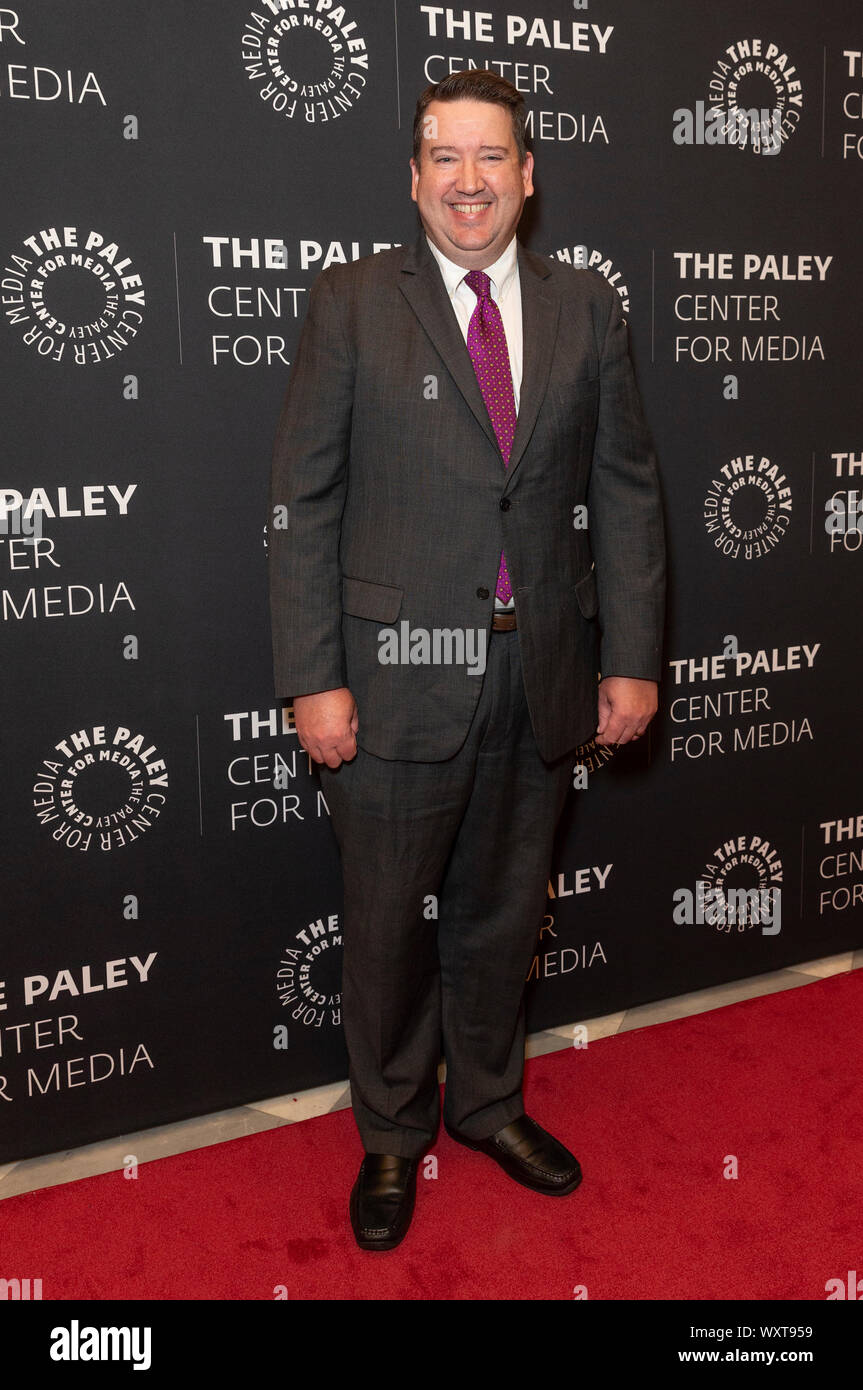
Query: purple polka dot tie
486, 343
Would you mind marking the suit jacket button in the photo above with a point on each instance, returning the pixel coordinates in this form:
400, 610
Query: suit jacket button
482, 593
505, 504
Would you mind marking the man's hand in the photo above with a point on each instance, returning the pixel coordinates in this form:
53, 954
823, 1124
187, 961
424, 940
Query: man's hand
626, 707
326, 725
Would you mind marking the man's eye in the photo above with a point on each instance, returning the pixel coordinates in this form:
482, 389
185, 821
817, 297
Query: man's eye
445, 158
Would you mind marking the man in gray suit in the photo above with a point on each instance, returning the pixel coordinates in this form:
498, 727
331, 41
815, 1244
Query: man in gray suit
474, 534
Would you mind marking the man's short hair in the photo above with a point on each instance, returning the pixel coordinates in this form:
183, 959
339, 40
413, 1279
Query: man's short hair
477, 84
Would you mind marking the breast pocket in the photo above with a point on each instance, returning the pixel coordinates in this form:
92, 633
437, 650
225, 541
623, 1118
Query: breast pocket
580, 395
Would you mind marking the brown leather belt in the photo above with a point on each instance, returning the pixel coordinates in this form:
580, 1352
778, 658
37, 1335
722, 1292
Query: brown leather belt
503, 622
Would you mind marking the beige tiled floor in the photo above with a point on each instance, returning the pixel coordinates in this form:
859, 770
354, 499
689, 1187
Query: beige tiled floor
71, 1164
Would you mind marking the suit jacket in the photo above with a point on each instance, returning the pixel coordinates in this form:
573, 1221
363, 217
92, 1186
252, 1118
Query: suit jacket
399, 504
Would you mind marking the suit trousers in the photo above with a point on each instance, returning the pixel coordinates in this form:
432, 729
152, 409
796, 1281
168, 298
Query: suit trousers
445, 868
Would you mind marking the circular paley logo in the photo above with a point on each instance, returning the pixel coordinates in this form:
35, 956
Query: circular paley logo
756, 89
583, 257
747, 509
592, 755
101, 788
308, 978
73, 295
310, 64
738, 886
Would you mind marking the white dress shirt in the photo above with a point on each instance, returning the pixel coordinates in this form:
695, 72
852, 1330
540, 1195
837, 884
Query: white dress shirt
506, 293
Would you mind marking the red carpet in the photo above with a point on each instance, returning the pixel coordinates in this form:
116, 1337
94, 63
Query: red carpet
651, 1115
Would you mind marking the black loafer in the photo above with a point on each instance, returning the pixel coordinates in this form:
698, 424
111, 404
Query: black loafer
530, 1155
382, 1200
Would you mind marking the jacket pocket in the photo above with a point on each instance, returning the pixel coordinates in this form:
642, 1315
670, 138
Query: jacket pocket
586, 593
579, 388
362, 599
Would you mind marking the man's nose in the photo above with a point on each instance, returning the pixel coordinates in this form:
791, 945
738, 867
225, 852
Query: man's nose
469, 182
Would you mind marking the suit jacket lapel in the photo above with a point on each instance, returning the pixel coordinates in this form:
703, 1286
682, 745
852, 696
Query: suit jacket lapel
540, 310
423, 287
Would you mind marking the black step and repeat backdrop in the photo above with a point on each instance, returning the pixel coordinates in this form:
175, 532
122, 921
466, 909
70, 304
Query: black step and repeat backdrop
176, 174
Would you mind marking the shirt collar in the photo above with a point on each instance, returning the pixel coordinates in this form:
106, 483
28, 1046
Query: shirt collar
500, 273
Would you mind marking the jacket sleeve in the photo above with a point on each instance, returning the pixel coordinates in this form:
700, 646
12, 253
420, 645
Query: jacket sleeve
625, 520
308, 486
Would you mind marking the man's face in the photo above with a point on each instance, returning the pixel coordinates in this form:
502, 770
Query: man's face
469, 187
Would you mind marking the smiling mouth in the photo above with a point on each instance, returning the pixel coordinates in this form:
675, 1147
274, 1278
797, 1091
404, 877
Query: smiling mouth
469, 209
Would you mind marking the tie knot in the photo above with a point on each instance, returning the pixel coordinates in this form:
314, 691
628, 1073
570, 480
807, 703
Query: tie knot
479, 282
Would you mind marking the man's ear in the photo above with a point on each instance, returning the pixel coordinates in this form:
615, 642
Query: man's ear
527, 174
